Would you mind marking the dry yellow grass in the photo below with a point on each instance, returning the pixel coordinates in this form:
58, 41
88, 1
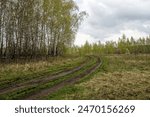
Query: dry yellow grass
32, 65
9, 71
123, 77
116, 85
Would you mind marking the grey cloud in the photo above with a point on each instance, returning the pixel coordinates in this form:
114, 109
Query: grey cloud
107, 17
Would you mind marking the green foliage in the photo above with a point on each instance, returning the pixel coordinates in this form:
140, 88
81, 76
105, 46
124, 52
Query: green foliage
123, 46
35, 28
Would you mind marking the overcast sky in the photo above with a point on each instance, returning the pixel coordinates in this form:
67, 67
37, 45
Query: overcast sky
109, 19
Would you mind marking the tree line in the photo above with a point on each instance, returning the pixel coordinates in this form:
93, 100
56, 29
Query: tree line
37, 28
124, 45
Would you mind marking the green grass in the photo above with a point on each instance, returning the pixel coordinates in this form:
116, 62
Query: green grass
21, 93
121, 77
69, 90
41, 73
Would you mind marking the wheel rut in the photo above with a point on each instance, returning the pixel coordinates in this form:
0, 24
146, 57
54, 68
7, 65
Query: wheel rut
70, 81
42, 80
34, 87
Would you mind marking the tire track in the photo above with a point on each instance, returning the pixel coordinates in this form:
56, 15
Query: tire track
36, 82
12, 82
70, 81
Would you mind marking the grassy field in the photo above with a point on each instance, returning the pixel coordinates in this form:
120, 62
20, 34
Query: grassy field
36, 68
121, 77
42, 77
118, 77
19, 73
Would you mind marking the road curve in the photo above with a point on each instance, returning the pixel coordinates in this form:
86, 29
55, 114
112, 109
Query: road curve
70, 81
22, 87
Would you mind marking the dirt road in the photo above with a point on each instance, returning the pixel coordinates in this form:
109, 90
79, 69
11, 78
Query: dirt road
41, 87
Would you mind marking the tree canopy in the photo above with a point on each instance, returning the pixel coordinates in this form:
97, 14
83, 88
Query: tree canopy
34, 28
